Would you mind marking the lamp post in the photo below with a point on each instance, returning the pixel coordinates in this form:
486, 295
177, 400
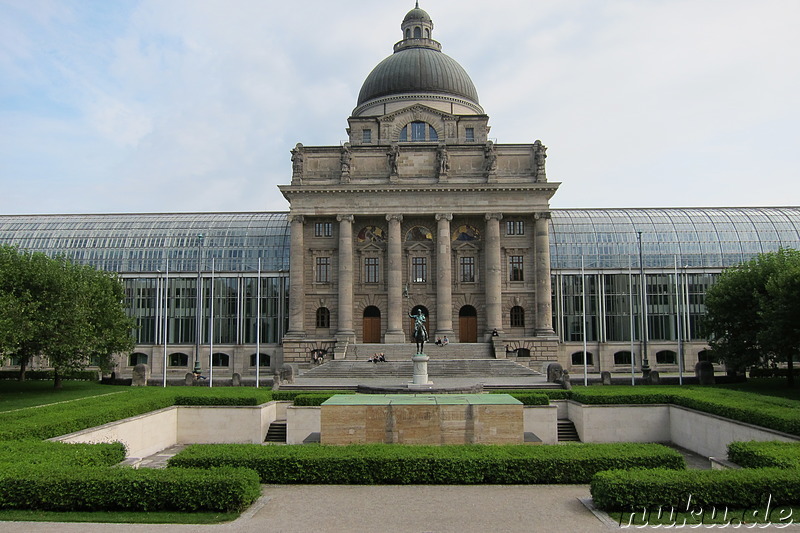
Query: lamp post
198, 310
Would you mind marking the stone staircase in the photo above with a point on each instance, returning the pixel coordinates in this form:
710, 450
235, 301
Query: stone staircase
402, 352
567, 431
444, 368
276, 432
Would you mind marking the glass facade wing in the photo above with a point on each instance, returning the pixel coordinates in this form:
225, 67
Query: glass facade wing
129, 243
698, 237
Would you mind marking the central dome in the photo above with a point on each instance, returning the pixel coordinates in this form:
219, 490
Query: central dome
418, 66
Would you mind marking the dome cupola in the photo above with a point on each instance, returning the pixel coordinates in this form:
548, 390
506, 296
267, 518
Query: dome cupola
417, 71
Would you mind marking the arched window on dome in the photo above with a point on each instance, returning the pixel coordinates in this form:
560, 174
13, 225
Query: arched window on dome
427, 33
408, 33
418, 132
417, 32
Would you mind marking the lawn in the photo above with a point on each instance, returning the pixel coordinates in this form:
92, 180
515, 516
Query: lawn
21, 394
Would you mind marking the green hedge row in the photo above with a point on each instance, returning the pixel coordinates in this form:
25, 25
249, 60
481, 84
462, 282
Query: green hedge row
44, 487
76, 375
378, 464
290, 395
312, 399
217, 400
765, 454
61, 453
634, 490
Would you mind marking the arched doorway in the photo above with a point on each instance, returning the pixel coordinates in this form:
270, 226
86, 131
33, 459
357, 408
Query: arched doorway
415, 310
467, 324
372, 325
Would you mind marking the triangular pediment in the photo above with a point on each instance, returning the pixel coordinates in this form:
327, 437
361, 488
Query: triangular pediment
419, 247
371, 247
466, 247
417, 112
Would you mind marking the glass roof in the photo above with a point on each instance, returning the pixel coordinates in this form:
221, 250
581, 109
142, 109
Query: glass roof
144, 242
605, 238
697, 237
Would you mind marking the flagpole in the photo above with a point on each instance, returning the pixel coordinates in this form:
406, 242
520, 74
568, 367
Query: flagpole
583, 297
164, 332
678, 324
630, 303
211, 329
258, 324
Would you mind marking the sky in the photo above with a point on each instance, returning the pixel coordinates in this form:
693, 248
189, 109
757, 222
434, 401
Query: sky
135, 106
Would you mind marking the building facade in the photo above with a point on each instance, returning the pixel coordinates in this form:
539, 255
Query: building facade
420, 211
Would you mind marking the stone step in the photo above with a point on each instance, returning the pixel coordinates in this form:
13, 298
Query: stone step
567, 431
454, 350
276, 432
445, 368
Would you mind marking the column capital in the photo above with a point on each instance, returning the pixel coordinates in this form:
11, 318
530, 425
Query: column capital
296, 218
541, 215
497, 216
444, 216
398, 218
345, 218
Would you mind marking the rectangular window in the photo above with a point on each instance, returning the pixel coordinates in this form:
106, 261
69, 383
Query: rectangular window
515, 268
371, 270
323, 229
323, 270
515, 227
469, 135
467, 267
366, 136
419, 269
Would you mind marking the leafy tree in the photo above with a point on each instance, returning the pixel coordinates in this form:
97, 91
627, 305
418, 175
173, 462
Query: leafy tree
753, 312
69, 313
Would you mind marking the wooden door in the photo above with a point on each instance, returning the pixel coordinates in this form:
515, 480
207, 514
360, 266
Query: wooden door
372, 330
468, 329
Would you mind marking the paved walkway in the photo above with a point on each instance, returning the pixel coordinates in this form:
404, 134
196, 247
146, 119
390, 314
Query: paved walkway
386, 509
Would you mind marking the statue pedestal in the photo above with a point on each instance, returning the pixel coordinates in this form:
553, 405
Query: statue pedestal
420, 379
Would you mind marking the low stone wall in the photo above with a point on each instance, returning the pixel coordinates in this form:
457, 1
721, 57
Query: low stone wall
542, 421
702, 433
150, 433
302, 423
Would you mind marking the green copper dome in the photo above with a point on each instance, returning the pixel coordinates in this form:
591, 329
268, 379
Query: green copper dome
418, 66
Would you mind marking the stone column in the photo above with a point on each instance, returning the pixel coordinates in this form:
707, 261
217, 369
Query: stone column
345, 281
544, 306
394, 332
494, 274
296, 278
444, 277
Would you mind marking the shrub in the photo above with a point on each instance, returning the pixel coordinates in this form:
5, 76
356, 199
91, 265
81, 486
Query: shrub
215, 400
47, 375
395, 464
44, 487
532, 398
737, 489
767, 454
61, 453
311, 399
290, 395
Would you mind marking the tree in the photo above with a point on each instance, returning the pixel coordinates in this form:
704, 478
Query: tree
753, 312
71, 314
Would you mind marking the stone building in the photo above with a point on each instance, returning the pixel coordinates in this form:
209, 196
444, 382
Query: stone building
419, 210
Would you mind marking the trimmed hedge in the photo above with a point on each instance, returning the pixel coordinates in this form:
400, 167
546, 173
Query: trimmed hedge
754, 454
314, 399
630, 490
379, 464
46, 488
216, 401
61, 453
290, 395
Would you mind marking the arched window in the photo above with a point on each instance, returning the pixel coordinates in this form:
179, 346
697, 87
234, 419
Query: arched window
622, 358
178, 359
137, 359
666, 357
220, 359
523, 352
408, 33
418, 132
517, 317
704, 355
577, 358
417, 32
427, 33
263, 360
323, 318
